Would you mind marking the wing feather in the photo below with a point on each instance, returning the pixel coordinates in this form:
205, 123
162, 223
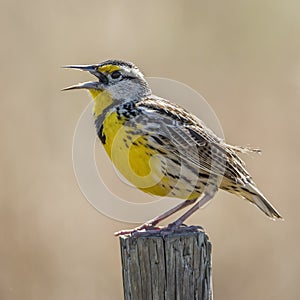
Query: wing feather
189, 138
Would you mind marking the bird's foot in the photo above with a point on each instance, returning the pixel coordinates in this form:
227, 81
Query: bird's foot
149, 229
141, 230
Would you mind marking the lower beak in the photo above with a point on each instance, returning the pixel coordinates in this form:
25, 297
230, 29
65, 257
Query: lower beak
85, 85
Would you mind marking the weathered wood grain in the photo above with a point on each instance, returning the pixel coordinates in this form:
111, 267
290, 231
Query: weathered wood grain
170, 266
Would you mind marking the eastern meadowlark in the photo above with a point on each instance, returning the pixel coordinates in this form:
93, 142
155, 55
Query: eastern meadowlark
160, 147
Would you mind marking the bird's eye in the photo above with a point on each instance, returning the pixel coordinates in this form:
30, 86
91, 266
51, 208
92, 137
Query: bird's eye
115, 74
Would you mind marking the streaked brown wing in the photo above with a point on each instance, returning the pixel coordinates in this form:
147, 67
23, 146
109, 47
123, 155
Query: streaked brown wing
190, 139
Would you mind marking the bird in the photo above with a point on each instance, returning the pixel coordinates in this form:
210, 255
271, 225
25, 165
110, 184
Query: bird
161, 148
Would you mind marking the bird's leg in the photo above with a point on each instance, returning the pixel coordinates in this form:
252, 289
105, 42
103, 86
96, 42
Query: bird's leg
175, 225
168, 213
150, 225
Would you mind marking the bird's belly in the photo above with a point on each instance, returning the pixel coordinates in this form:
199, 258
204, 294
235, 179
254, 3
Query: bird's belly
151, 169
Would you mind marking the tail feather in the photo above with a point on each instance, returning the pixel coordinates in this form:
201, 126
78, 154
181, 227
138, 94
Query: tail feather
244, 149
252, 194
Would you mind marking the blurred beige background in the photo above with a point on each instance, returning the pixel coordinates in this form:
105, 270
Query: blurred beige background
243, 56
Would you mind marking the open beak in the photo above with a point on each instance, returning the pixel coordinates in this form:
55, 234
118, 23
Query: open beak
93, 69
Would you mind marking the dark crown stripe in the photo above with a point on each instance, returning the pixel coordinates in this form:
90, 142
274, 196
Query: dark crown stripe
118, 63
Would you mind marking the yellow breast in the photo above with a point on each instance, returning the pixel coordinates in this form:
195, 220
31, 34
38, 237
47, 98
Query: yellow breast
139, 163
130, 154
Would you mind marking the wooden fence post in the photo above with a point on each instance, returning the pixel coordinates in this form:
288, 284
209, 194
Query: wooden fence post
167, 267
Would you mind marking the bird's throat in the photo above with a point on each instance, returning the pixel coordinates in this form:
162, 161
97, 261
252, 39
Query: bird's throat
102, 99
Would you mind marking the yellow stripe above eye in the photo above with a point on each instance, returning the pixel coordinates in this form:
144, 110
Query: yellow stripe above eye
108, 68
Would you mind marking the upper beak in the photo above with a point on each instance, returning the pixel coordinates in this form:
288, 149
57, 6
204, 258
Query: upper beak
90, 68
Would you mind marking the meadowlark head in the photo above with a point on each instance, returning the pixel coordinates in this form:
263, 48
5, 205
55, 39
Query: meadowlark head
122, 80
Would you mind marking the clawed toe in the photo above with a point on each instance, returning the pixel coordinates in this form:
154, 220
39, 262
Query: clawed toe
143, 229
149, 229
